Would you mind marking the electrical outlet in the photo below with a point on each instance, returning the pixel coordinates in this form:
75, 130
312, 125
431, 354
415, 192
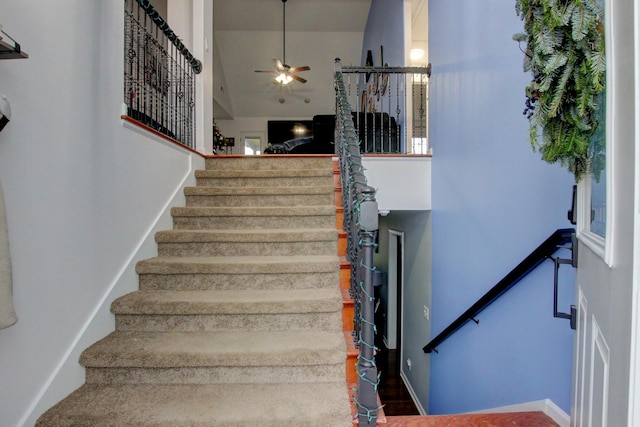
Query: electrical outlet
426, 312
409, 364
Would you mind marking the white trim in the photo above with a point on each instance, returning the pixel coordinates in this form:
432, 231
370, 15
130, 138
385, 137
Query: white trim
579, 359
546, 406
402, 293
598, 343
603, 247
609, 255
594, 242
154, 136
634, 351
392, 302
392, 294
413, 395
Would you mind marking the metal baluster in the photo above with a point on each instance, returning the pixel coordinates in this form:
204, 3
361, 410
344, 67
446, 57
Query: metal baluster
159, 74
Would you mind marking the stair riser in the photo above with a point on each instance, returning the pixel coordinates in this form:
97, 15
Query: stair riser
238, 281
217, 375
260, 200
252, 222
247, 249
302, 181
229, 322
235, 405
266, 163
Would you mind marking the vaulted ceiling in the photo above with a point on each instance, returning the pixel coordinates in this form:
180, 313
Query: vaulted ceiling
248, 36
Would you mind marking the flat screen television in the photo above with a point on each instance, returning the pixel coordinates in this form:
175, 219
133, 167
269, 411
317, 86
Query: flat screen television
280, 131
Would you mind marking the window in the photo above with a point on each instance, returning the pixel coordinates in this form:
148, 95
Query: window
593, 220
252, 144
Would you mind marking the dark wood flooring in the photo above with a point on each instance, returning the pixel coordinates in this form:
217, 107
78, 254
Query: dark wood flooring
394, 395
400, 411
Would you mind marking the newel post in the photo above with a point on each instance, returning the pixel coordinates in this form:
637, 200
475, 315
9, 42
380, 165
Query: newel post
367, 370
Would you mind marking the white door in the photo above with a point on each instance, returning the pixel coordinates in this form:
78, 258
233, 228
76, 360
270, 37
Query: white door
606, 360
634, 374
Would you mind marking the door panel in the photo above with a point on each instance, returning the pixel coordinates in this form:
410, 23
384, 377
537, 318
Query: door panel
580, 362
599, 377
591, 364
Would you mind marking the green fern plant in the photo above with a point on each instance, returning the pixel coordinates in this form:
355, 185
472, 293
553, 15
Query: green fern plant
565, 52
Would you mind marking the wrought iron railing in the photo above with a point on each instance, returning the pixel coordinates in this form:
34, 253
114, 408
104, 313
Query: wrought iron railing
159, 74
361, 225
391, 114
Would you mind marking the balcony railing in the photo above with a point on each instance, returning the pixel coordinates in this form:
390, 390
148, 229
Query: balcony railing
159, 74
361, 225
391, 108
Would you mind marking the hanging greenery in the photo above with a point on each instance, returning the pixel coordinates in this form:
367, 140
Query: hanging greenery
565, 52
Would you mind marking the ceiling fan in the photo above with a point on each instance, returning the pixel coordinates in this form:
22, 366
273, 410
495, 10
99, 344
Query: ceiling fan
283, 72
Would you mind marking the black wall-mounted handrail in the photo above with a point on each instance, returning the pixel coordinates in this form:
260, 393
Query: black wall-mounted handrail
559, 238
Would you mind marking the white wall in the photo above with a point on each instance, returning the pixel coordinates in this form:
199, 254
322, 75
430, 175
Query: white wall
222, 102
82, 194
402, 183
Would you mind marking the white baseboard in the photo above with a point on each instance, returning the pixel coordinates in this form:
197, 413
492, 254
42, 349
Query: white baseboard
412, 394
68, 374
549, 408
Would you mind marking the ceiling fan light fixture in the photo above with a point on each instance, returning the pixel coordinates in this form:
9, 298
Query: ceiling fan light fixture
283, 78
284, 74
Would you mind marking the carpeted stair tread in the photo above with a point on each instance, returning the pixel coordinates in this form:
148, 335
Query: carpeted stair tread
257, 236
241, 211
253, 173
269, 163
234, 405
262, 178
220, 348
239, 264
259, 191
260, 196
254, 217
242, 301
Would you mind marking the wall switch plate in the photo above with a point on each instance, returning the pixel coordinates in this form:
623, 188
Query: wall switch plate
426, 312
409, 364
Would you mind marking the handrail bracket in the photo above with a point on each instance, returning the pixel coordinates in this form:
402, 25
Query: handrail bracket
573, 261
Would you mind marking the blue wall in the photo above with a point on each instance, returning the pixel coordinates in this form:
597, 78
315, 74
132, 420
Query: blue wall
385, 27
494, 201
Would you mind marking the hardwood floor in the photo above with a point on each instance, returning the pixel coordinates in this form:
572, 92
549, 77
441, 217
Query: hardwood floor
393, 393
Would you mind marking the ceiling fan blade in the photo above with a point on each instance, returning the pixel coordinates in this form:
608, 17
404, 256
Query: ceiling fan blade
264, 71
298, 78
279, 64
304, 68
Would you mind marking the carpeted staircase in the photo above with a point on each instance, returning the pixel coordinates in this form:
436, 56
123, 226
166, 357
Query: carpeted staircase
238, 320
